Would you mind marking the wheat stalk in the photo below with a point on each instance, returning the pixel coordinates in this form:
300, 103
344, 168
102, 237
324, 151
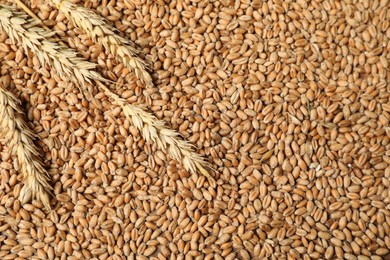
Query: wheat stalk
19, 28
105, 35
20, 138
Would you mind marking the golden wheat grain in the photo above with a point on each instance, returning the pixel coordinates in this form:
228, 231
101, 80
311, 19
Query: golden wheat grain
71, 67
20, 140
104, 34
299, 133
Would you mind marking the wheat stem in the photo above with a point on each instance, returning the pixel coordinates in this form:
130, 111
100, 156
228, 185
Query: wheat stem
105, 35
20, 138
81, 71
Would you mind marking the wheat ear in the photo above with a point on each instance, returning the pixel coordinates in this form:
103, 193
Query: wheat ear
150, 127
105, 35
155, 130
65, 60
20, 138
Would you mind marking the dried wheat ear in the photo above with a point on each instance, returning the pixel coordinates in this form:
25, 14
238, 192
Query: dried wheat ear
19, 138
102, 33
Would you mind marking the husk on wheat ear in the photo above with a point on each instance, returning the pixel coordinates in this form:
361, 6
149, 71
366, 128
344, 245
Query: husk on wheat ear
71, 67
19, 138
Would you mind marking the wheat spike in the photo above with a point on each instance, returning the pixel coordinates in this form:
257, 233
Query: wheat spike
154, 130
105, 35
20, 138
65, 60
68, 65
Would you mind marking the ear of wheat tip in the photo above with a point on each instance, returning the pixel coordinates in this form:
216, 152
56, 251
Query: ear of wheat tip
72, 67
104, 34
20, 138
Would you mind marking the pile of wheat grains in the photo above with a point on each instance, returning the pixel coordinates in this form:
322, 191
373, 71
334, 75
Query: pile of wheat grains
288, 100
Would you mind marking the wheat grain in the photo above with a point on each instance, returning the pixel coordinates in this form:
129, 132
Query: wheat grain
293, 108
104, 34
20, 140
71, 67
